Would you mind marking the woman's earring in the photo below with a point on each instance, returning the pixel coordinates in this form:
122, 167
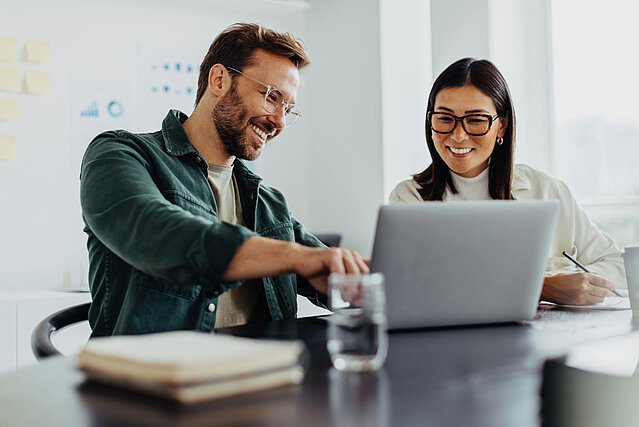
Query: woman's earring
499, 140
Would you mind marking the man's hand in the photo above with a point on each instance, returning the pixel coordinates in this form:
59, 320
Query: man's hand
260, 257
577, 288
317, 263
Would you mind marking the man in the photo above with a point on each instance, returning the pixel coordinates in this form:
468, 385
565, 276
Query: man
181, 234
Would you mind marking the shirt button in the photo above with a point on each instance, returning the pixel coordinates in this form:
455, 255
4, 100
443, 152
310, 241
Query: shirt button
211, 308
198, 159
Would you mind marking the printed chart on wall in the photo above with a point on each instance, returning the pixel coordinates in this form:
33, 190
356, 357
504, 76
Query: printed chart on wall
96, 108
167, 80
164, 79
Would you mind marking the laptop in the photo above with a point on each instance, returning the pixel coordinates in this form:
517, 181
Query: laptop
463, 262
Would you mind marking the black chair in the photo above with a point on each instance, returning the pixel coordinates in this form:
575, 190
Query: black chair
330, 239
41, 336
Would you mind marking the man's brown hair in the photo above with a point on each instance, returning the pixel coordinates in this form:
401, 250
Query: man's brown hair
234, 47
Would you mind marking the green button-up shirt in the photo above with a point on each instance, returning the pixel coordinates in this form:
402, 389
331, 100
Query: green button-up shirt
156, 247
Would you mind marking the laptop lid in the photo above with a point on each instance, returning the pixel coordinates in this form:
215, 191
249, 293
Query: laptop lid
459, 263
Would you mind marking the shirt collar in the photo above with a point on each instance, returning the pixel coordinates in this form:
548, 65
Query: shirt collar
460, 180
240, 168
520, 180
178, 144
176, 140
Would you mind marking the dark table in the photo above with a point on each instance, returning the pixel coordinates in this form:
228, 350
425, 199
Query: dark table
466, 376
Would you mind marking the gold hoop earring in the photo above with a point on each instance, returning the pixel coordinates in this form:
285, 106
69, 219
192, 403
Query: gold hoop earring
499, 140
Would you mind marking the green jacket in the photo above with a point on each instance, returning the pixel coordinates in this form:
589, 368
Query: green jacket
156, 247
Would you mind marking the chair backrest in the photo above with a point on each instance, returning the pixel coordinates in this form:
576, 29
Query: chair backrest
41, 336
330, 239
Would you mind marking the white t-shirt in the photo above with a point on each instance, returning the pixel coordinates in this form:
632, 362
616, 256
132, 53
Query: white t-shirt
235, 306
471, 188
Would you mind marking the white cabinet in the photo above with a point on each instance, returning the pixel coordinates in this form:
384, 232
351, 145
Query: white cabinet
20, 312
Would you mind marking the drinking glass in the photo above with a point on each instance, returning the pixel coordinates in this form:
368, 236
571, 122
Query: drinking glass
631, 263
357, 338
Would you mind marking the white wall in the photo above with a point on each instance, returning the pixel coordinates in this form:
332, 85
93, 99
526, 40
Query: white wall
344, 126
520, 39
406, 80
363, 100
515, 36
459, 30
99, 48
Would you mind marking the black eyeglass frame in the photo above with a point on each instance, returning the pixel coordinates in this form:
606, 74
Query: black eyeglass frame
490, 118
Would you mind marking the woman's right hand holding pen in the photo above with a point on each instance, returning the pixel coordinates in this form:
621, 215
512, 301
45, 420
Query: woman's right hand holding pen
578, 288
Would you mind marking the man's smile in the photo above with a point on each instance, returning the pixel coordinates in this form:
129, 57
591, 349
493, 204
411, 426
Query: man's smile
264, 136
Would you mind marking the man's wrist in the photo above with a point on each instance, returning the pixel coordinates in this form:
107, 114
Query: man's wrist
296, 255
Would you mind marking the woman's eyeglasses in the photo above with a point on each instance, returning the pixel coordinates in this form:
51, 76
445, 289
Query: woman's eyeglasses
473, 124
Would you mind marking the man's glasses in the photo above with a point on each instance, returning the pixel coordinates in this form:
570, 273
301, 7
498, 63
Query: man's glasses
273, 99
473, 124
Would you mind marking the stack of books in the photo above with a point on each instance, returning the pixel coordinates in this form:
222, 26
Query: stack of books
191, 366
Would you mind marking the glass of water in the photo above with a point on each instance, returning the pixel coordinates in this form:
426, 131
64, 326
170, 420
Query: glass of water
357, 338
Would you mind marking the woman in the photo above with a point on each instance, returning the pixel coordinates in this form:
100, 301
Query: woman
470, 132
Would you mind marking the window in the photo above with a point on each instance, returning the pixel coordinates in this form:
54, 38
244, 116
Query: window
596, 103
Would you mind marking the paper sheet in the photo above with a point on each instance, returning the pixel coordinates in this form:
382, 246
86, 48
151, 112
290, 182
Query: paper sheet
37, 50
7, 147
9, 109
8, 49
610, 303
9, 80
37, 82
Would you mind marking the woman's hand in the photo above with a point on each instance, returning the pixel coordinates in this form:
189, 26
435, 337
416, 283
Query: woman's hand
577, 288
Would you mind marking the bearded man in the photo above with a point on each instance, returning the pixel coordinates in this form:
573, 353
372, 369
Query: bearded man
181, 234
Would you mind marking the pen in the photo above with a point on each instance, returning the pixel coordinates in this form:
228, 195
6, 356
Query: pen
578, 264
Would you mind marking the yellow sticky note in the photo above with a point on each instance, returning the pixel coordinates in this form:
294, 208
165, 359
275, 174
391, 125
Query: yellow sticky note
9, 80
37, 82
7, 147
9, 109
8, 49
37, 50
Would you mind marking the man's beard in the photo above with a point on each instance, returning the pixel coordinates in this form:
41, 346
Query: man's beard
229, 117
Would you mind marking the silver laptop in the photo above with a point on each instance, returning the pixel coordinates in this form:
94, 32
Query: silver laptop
460, 263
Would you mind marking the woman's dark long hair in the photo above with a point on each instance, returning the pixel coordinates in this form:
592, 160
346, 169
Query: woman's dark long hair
483, 75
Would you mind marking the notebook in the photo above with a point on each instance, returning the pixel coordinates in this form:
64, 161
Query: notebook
189, 366
463, 262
